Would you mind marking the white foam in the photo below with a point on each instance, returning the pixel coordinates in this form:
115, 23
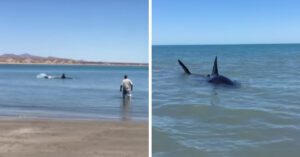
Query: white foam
41, 75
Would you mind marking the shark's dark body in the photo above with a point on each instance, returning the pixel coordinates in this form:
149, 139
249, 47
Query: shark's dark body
214, 78
220, 80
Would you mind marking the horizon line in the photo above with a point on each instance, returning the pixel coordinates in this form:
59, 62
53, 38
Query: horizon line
225, 44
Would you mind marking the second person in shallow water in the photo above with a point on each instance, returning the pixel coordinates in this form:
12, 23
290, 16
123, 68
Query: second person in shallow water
126, 86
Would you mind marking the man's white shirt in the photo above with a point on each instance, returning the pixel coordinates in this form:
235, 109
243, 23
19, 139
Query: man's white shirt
126, 84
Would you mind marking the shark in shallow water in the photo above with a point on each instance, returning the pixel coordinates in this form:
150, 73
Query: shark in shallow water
214, 78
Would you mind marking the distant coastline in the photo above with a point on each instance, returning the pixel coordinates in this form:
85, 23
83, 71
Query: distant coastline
28, 59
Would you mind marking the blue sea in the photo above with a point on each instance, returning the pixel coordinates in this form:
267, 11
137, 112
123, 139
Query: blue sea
92, 94
260, 118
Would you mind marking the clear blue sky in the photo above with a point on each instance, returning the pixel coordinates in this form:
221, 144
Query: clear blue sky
96, 30
225, 21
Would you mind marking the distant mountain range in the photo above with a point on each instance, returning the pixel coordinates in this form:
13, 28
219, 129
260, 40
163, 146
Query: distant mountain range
31, 59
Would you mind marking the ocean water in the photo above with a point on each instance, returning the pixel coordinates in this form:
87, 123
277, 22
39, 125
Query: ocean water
259, 118
92, 94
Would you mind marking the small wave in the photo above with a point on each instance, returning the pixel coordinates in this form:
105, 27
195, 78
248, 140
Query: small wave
41, 75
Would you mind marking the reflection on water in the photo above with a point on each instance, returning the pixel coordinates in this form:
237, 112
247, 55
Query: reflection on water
125, 109
215, 99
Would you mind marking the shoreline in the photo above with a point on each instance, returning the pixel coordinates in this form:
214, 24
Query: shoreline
52, 137
83, 119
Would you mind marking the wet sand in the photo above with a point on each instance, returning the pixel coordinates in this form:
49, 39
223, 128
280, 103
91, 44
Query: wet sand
64, 138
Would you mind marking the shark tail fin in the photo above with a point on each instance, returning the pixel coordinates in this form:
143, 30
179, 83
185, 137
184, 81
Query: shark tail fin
186, 70
215, 68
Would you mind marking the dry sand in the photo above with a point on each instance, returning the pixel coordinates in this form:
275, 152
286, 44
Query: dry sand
66, 138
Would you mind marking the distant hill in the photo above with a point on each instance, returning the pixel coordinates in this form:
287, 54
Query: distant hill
31, 59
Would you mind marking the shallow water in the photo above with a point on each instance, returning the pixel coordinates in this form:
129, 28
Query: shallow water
92, 94
261, 117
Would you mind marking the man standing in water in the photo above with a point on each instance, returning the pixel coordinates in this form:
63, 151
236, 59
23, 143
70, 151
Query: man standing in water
127, 86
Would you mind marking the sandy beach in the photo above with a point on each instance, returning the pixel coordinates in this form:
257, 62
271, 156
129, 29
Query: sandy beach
69, 138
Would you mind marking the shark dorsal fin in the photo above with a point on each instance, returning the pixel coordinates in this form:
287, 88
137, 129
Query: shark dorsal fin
215, 68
